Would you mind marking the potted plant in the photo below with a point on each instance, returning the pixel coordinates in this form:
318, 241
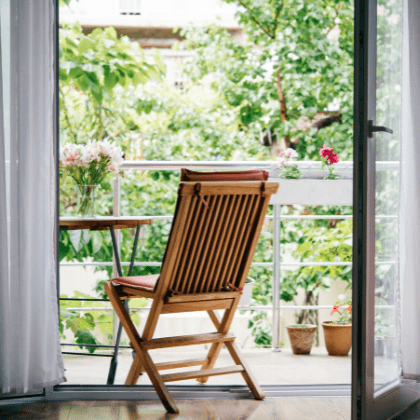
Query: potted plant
301, 337
337, 334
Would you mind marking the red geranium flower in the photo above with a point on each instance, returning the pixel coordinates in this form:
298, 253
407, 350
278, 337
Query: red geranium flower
333, 158
335, 309
325, 151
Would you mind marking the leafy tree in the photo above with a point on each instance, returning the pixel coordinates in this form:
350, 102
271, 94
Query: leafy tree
93, 67
294, 65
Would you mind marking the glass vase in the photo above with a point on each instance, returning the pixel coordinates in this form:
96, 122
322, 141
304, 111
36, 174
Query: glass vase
86, 203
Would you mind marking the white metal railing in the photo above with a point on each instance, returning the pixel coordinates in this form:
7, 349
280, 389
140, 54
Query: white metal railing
310, 170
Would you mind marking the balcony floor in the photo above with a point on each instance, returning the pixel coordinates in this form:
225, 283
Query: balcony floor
269, 368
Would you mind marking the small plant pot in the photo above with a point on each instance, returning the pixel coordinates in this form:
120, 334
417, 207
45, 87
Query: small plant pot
379, 346
337, 338
247, 292
301, 338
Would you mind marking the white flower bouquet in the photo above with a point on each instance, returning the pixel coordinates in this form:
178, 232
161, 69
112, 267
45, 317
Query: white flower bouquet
88, 165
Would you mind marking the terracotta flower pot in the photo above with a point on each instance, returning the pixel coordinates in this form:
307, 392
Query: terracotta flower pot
337, 338
301, 338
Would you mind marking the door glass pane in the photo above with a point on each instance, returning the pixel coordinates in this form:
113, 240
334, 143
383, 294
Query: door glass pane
389, 46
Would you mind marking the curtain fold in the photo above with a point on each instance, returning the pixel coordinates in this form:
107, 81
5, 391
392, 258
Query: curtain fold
30, 351
410, 193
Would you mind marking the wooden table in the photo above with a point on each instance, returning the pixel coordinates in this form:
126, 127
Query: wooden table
110, 223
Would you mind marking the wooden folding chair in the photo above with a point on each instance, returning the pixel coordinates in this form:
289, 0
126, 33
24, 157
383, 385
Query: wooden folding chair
207, 259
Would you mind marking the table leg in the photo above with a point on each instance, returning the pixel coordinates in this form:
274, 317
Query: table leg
116, 253
133, 255
130, 272
114, 360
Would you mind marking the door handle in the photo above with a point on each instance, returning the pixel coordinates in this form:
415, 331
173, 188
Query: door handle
374, 128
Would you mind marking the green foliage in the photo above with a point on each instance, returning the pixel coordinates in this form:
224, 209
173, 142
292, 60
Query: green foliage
93, 67
86, 324
261, 329
300, 51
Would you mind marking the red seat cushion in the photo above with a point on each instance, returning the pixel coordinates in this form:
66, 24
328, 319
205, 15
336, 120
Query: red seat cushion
251, 175
141, 282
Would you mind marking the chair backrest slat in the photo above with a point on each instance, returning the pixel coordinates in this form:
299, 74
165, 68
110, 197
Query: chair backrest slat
239, 235
195, 253
190, 222
218, 238
225, 226
215, 240
249, 223
208, 248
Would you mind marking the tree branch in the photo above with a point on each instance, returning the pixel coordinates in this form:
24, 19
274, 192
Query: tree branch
256, 20
280, 95
282, 100
275, 22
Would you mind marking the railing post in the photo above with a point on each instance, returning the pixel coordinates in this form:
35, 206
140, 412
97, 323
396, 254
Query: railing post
276, 278
116, 212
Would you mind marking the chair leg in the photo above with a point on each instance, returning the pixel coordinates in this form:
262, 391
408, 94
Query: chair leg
144, 359
236, 355
135, 371
157, 382
215, 348
212, 356
250, 380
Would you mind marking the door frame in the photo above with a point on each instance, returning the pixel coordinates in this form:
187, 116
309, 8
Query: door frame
399, 395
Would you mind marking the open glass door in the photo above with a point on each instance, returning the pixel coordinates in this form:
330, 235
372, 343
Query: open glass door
378, 391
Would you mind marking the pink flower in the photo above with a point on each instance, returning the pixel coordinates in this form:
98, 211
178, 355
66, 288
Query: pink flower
90, 153
325, 151
291, 153
113, 168
70, 154
333, 158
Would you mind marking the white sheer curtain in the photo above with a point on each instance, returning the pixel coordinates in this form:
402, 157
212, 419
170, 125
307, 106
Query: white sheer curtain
30, 355
410, 192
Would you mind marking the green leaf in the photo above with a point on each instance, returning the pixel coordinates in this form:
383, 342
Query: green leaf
77, 323
110, 81
97, 242
86, 337
75, 237
159, 63
85, 45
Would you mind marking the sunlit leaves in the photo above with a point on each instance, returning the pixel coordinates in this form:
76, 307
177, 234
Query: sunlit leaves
295, 39
97, 62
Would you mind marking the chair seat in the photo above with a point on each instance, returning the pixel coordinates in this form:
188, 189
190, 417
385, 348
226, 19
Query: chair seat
140, 282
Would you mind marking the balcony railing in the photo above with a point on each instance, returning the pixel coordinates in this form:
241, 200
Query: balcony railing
311, 171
